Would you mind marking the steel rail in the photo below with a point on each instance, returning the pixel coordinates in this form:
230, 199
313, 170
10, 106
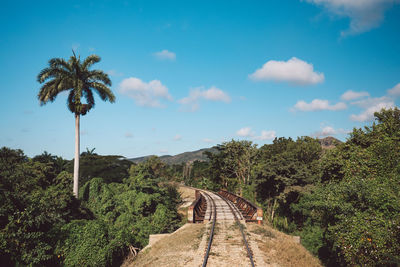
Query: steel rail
233, 207
212, 229
249, 253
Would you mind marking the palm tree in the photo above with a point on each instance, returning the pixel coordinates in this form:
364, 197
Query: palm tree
75, 77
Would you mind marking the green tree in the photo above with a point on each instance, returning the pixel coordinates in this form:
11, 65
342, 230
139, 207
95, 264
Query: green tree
34, 203
355, 209
284, 170
75, 77
58, 163
111, 168
233, 164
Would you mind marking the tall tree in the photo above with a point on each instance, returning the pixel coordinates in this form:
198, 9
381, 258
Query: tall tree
76, 77
233, 163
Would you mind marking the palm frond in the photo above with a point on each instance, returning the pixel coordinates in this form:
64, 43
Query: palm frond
90, 60
50, 90
43, 75
75, 76
71, 101
98, 75
103, 91
45, 92
75, 64
48, 73
89, 98
59, 63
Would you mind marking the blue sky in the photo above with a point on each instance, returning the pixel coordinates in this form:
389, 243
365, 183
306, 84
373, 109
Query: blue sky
193, 74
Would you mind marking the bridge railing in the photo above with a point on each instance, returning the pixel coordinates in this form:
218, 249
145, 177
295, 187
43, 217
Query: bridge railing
197, 210
250, 211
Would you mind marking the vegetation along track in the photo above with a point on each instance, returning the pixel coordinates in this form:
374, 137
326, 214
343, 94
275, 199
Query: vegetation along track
225, 219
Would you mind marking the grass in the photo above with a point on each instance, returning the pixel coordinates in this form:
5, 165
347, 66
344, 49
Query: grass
280, 248
216, 254
172, 250
263, 232
197, 240
234, 226
227, 237
216, 228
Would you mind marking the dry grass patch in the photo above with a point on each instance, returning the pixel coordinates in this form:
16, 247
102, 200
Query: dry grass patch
263, 232
187, 194
183, 211
199, 236
280, 249
178, 249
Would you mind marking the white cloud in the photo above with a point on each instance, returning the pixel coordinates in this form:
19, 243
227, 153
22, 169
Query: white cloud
294, 71
329, 131
364, 15
317, 105
145, 94
395, 91
165, 55
370, 106
372, 101
197, 94
266, 135
244, 132
351, 95
207, 140
177, 137
164, 151
247, 132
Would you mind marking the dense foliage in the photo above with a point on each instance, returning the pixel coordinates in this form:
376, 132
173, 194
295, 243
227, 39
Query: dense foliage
34, 203
110, 168
357, 211
344, 202
42, 223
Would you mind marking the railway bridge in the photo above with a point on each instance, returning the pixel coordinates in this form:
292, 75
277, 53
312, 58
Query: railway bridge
200, 209
224, 231
226, 215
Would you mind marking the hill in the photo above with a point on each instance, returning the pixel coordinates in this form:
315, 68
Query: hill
180, 158
329, 142
326, 143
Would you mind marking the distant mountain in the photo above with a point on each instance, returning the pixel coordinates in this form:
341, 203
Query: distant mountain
180, 158
326, 143
329, 142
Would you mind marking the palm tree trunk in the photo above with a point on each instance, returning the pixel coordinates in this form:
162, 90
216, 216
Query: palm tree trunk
77, 153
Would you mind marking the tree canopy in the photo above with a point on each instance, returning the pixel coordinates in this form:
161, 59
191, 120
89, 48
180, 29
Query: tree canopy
43, 224
76, 77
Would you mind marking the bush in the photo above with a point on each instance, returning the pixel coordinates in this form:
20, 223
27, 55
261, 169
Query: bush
89, 243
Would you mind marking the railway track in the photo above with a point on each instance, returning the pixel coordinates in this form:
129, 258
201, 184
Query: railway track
224, 214
213, 213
